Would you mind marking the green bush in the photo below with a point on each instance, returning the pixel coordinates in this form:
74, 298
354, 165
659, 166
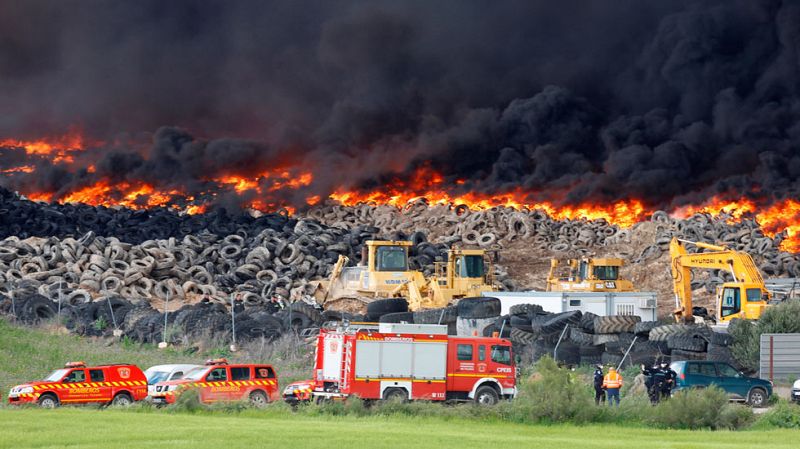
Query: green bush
783, 415
554, 394
706, 408
781, 318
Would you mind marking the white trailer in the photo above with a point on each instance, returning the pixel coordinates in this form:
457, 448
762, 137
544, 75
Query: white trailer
641, 304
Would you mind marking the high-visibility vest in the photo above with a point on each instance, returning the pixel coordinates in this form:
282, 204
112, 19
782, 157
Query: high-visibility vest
612, 380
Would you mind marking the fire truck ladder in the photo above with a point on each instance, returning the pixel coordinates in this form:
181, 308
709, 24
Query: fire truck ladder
346, 366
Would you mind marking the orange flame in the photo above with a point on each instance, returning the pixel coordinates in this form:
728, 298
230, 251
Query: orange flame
59, 147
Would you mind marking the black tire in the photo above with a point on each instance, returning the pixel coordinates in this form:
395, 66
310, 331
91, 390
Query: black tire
757, 398
587, 322
310, 311
380, 307
398, 317
614, 324
395, 394
48, 400
529, 310
522, 322
663, 332
258, 399
720, 339
478, 307
621, 344
581, 338
122, 400
297, 321
486, 395
610, 359
556, 323
686, 343
36, 308
444, 315
643, 328
721, 354
521, 337
679, 354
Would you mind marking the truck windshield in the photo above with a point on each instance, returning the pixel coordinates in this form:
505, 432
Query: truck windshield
470, 267
501, 354
154, 377
606, 273
196, 373
391, 258
56, 375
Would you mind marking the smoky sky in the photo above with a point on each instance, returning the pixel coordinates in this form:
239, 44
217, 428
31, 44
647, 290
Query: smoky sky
571, 101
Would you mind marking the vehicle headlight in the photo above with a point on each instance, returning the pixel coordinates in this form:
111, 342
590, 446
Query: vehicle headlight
290, 389
25, 390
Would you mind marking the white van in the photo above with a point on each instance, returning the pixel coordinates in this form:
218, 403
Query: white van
161, 373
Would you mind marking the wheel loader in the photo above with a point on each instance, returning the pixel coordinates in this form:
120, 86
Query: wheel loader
587, 275
384, 272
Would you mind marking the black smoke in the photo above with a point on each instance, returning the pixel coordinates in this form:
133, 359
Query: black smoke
572, 101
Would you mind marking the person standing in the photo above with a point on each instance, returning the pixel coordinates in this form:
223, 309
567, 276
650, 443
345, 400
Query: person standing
669, 381
599, 392
650, 382
612, 382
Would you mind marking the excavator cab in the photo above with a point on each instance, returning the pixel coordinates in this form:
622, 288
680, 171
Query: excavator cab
741, 300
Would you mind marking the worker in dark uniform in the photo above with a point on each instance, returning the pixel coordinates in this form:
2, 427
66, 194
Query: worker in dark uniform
659, 382
650, 382
599, 391
669, 380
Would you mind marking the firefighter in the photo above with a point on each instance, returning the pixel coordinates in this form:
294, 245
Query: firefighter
650, 382
669, 381
599, 392
612, 382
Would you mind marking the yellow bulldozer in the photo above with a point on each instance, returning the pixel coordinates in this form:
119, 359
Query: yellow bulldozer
746, 297
384, 272
587, 275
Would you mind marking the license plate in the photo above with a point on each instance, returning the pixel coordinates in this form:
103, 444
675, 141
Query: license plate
159, 400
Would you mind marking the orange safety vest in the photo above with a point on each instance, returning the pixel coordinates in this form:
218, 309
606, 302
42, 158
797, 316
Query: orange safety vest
612, 380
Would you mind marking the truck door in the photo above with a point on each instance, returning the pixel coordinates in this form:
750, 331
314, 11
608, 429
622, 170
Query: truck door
76, 390
463, 365
100, 391
239, 389
214, 391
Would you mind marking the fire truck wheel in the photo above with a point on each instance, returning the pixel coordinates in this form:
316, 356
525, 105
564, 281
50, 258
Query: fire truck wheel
122, 400
258, 399
395, 394
48, 401
486, 395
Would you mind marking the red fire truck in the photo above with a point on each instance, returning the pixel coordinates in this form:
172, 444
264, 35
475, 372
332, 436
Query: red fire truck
410, 361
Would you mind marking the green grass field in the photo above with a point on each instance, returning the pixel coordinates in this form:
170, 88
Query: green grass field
87, 428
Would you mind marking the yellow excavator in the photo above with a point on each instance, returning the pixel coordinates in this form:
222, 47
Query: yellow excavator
746, 297
384, 273
587, 275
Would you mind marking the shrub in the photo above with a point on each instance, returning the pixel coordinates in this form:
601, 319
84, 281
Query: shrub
554, 395
782, 415
781, 318
706, 408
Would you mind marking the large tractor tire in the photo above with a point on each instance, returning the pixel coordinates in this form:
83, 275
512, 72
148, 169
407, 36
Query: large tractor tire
614, 324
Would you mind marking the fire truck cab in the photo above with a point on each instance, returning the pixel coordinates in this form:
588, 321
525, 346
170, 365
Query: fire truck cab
77, 383
409, 362
218, 381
